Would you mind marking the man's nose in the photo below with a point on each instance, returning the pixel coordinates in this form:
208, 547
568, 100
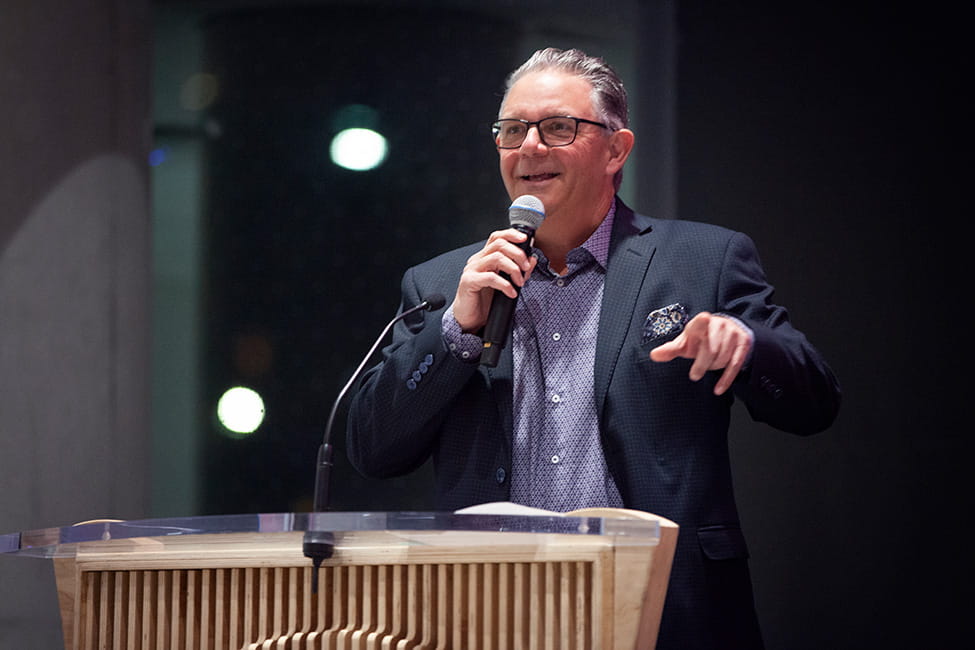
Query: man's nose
533, 139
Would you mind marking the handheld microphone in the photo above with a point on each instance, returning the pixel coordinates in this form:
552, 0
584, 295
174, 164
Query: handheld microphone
525, 215
319, 545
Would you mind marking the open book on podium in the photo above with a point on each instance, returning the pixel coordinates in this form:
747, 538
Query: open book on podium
491, 576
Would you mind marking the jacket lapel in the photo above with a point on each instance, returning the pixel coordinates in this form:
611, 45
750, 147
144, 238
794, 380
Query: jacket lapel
630, 253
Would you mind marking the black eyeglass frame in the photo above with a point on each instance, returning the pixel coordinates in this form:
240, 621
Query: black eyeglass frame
496, 129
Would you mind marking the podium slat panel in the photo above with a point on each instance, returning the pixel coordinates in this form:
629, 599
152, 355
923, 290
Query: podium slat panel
443, 590
134, 620
478, 605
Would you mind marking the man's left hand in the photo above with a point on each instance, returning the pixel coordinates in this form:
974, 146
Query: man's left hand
715, 343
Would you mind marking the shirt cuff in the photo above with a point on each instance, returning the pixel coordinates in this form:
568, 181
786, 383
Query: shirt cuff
466, 347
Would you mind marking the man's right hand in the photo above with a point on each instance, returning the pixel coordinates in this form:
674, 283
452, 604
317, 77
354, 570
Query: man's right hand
480, 278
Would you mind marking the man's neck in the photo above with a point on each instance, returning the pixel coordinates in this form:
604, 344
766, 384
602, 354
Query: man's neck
562, 233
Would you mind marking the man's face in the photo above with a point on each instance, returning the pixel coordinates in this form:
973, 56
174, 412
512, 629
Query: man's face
570, 179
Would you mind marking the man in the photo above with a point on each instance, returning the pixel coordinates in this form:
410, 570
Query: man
630, 337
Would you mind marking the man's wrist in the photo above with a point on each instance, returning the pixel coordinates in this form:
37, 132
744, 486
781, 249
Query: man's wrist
463, 346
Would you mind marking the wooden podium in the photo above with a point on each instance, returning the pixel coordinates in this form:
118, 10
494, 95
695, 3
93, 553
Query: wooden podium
591, 579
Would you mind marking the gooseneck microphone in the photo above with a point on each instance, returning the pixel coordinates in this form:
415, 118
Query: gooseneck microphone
319, 545
525, 215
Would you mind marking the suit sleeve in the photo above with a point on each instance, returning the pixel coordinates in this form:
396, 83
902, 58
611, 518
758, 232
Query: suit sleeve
396, 414
787, 384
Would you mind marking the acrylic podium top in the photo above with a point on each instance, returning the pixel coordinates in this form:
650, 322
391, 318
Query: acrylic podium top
406, 528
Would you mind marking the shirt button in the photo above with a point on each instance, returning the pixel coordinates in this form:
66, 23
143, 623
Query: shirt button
556, 398
556, 337
555, 459
465, 354
560, 282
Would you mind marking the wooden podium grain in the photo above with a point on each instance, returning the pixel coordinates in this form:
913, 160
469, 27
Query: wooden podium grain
594, 579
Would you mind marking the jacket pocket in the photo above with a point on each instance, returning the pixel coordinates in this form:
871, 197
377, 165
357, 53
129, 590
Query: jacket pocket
722, 542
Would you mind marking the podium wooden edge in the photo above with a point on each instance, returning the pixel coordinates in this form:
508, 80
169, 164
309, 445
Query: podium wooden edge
66, 579
651, 599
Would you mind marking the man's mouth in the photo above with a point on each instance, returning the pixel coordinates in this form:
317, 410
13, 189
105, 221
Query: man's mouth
534, 178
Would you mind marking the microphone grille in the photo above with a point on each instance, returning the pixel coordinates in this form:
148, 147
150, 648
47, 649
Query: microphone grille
526, 210
435, 301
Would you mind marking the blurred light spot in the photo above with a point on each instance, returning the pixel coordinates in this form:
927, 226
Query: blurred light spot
198, 91
240, 410
158, 156
358, 149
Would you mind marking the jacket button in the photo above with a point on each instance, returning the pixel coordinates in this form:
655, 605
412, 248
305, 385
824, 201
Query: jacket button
770, 387
500, 475
411, 384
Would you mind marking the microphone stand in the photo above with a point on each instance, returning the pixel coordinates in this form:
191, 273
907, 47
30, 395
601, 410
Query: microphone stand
319, 545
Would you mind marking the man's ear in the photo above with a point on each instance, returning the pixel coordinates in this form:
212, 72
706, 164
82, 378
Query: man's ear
620, 145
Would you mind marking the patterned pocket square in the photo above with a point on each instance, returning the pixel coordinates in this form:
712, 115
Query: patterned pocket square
664, 322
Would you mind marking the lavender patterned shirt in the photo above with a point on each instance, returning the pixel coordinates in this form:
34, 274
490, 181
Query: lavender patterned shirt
557, 457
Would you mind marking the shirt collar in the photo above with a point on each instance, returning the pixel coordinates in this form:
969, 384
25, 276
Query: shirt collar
598, 242
596, 247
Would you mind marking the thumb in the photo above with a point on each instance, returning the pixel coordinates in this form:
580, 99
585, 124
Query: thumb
668, 351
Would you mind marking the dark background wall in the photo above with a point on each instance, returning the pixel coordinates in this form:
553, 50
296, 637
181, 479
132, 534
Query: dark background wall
825, 132
822, 131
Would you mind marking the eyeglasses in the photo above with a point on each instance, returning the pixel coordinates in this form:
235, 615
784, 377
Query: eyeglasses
557, 131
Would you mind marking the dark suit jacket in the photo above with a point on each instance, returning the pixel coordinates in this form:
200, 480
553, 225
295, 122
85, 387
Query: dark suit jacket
664, 436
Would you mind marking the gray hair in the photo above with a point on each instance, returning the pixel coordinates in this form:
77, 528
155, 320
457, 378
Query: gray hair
608, 93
